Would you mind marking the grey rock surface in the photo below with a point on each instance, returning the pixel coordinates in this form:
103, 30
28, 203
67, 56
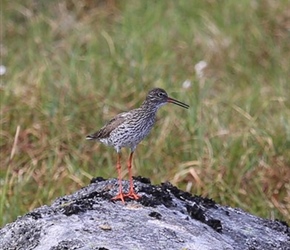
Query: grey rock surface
164, 218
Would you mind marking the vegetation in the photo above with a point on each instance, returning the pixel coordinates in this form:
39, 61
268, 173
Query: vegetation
73, 65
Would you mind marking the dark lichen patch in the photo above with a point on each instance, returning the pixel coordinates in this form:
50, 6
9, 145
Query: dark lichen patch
98, 194
227, 213
84, 203
195, 212
198, 213
34, 215
142, 179
73, 208
78, 206
283, 223
280, 226
215, 224
155, 215
148, 201
68, 244
97, 179
156, 196
206, 202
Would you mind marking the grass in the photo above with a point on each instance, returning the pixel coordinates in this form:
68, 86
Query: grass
73, 65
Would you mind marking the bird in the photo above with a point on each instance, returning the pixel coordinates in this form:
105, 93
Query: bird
128, 129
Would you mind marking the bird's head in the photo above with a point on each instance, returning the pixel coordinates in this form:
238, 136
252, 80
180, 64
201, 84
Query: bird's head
158, 97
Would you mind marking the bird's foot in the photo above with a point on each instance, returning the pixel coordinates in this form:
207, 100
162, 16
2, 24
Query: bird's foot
132, 195
120, 196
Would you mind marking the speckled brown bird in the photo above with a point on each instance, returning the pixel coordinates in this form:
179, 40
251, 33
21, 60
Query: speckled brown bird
128, 129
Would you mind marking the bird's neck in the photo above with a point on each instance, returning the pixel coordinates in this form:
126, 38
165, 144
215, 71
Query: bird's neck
149, 107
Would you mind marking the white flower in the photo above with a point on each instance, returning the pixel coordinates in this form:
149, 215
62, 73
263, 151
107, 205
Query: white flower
199, 68
186, 84
2, 70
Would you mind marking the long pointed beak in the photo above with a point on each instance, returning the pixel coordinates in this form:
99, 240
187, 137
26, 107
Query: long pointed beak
181, 104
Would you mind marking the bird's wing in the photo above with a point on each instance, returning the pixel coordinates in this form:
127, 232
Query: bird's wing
105, 131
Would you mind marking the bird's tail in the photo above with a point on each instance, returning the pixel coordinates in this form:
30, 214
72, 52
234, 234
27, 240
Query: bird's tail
90, 137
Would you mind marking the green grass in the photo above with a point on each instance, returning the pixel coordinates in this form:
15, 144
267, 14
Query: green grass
73, 65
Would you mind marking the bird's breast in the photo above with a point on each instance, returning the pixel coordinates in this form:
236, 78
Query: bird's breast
132, 132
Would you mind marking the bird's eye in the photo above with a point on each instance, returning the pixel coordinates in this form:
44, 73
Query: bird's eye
160, 94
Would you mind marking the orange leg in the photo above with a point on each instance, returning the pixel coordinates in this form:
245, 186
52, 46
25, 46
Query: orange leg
120, 195
131, 193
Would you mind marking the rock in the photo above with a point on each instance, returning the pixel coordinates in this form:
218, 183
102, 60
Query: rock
164, 218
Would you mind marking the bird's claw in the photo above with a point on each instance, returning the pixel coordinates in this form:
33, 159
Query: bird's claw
132, 195
120, 196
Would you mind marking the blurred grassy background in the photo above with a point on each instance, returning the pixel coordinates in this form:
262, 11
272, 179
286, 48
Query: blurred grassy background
73, 65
